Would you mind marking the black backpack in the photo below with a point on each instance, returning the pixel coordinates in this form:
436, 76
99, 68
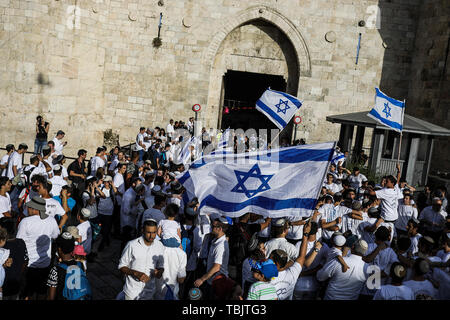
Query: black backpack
239, 244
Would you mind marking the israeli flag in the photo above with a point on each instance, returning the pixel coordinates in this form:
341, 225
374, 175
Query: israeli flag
338, 157
273, 183
278, 106
388, 111
222, 145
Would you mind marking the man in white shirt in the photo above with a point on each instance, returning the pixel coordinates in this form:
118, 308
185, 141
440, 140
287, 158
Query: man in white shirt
356, 178
405, 212
280, 229
142, 261
288, 273
59, 145
346, 286
5, 159
15, 161
5, 200
147, 138
332, 187
170, 130
37, 230
175, 260
119, 183
97, 161
140, 146
129, 210
434, 218
396, 290
85, 230
423, 289
218, 255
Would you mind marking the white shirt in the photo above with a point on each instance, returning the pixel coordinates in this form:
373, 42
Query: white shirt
128, 212
389, 203
356, 181
169, 229
196, 247
38, 235
175, 260
14, 160
58, 146
422, 288
140, 257
5, 204
329, 213
344, 285
348, 223
333, 187
119, 183
139, 138
218, 253
3, 161
169, 130
283, 244
295, 232
309, 283
85, 231
53, 208
405, 212
286, 280
428, 214
96, 163
92, 207
57, 183
390, 292
444, 283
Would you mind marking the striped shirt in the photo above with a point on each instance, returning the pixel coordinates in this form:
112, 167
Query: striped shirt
262, 291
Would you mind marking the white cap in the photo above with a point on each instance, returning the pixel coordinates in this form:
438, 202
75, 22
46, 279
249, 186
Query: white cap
57, 167
339, 240
85, 212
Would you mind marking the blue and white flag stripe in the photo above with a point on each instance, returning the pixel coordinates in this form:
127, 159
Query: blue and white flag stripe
274, 183
278, 106
388, 111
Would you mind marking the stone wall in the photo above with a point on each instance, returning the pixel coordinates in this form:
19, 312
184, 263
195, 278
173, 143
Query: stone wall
104, 72
429, 91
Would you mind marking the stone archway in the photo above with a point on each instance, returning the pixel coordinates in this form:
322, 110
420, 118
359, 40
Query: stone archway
292, 44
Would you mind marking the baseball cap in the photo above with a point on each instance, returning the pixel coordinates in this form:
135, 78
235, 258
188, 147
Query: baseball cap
107, 178
38, 203
195, 294
339, 240
85, 212
268, 268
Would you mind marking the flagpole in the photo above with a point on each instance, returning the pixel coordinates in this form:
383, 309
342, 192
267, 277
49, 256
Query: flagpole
401, 133
271, 143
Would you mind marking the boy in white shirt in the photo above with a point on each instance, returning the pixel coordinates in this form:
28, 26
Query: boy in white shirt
169, 230
85, 230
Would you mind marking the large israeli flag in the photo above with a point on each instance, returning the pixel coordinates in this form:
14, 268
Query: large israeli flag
274, 183
278, 106
388, 111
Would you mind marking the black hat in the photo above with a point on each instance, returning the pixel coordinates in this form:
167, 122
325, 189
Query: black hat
60, 132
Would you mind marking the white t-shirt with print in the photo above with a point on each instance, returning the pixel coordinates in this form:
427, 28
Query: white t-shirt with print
356, 181
422, 288
53, 208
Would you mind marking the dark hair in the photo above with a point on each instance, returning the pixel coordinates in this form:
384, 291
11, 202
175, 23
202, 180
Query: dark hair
159, 180
9, 147
159, 199
46, 152
149, 223
355, 169
224, 226
3, 234
172, 210
39, 178
66, 245
403, 243
23, 146
278, 259
337, 197
417, 266
51, 142
3, 181
48, 186
392, 179
382, 234
141, 128
33, 159
81, 152
9, 225
68, 188
413, 223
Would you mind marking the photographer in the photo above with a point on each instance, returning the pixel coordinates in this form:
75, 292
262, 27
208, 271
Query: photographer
42, 128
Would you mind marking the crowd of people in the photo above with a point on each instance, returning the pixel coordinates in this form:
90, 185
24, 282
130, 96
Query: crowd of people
380, 240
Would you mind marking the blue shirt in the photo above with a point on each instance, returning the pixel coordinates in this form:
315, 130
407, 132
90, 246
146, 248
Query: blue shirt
70, 202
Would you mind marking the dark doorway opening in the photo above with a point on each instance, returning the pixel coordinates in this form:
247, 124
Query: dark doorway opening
241, 90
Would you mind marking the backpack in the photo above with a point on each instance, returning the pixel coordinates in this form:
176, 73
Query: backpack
187, 240
239, 242
71, 291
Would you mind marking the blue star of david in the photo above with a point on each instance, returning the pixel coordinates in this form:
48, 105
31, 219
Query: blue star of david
285, 103
255, 172
387, 110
